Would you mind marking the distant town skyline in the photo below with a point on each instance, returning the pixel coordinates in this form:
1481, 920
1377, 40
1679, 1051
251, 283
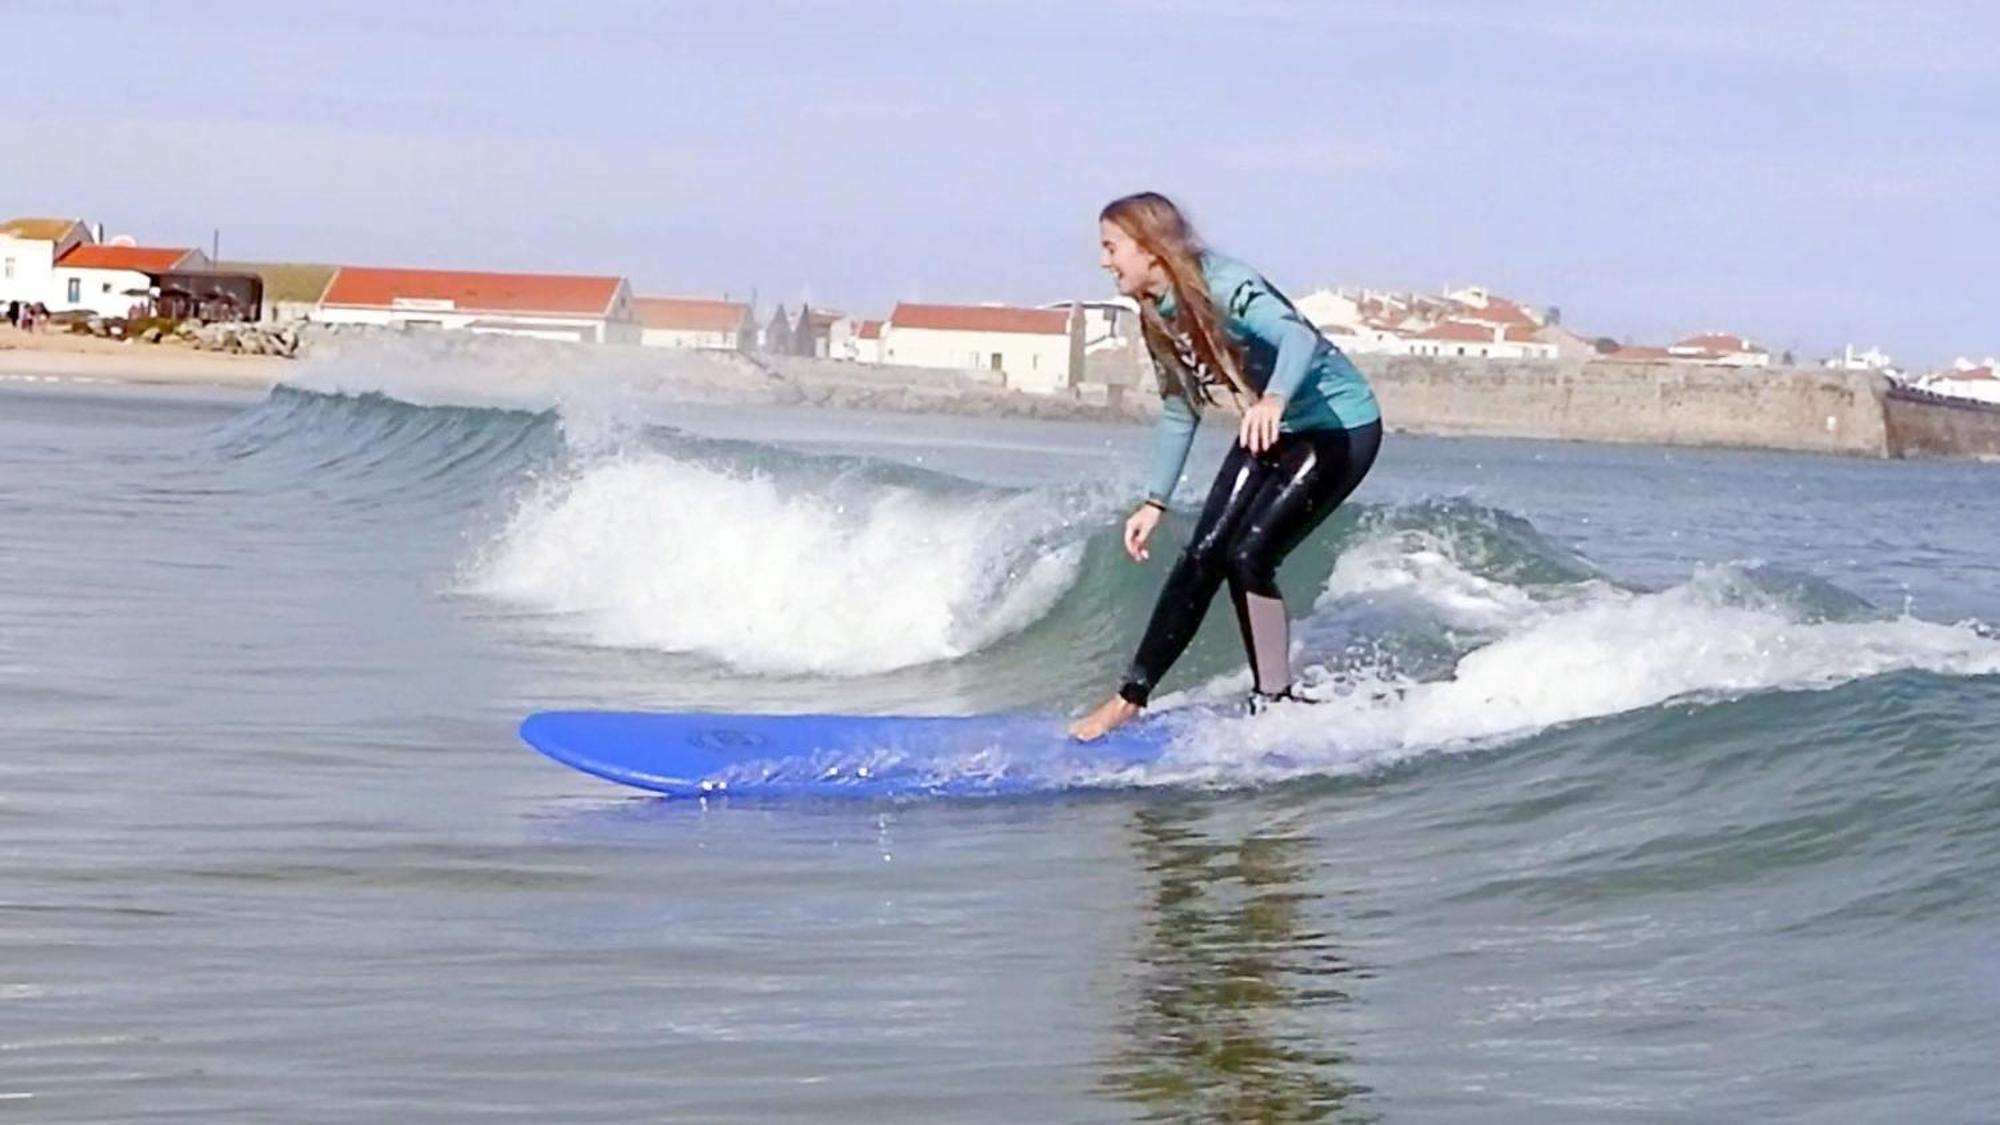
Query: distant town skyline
1810, 175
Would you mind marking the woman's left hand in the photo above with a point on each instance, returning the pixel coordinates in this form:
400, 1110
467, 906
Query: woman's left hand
1259, 429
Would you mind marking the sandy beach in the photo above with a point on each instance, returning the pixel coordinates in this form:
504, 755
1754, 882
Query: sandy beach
61, 357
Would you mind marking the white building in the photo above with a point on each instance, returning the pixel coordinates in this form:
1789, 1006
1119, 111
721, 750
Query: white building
831, 331
1031, 348
1479, 304
1874, 359
1385, 322
865, 345
1373, 337
1330, 308
1472, 340
694, 322
1968, 379
112, 280
544, 306
1721, 349
28, 252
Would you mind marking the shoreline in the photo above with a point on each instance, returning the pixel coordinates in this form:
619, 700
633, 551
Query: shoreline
1781, 410
40, 358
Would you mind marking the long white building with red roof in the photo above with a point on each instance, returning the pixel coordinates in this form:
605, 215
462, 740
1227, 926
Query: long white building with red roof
565, 307
1035, 350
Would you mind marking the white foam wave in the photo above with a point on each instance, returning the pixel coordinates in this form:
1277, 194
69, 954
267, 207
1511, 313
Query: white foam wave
1549, 657
1422, 566
644, 551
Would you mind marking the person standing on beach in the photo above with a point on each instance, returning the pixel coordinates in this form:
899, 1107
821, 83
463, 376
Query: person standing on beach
1309, 432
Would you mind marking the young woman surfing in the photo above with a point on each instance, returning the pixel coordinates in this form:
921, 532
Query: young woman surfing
1309, 432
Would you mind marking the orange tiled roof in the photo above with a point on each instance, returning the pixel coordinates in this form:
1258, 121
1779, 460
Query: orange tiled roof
1456, 330
690, 314
1499, 310
140, 259
1719, 342
980, 318
870, 330
563, 294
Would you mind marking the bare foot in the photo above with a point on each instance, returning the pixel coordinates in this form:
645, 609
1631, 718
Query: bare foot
1109, 716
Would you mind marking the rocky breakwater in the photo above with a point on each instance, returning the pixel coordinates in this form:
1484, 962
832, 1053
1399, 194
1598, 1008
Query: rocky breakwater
243, 339
282, 341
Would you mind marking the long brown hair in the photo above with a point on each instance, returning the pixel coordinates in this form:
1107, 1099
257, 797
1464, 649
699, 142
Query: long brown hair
1163, 231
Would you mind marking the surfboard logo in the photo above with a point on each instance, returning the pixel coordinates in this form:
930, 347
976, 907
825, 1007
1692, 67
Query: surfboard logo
725, 741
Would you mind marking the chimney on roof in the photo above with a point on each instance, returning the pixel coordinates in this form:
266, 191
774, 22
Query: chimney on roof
97, 232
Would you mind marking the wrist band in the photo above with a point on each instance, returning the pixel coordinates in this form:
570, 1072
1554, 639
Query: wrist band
1154, 503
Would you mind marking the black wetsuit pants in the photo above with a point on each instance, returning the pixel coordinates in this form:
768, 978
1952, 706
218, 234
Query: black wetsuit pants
1259, 508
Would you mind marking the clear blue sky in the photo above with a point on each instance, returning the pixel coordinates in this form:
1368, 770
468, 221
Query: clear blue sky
1807, 173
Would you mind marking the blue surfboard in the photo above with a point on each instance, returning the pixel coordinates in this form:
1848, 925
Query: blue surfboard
691, 754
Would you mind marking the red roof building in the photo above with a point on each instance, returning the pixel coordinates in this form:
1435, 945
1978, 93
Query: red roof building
115, 280
1454, 338
693, 322
1721, 348
1032, 350
689, 314
550, 306
137, 259
980, 318
559, 294
1718, 342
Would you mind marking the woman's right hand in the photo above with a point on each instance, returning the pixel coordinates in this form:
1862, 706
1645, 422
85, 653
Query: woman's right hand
1139, 528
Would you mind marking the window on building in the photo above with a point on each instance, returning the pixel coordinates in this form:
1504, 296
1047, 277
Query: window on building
10, 269
75, 290
107, 287
996, 361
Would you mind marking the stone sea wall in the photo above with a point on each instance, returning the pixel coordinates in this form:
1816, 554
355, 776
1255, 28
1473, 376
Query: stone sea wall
1930, 425
1808, 410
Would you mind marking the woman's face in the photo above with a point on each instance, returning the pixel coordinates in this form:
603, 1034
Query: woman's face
1131, 268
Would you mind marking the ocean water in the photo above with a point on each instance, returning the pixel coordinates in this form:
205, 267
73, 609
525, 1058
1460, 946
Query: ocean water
1646, 784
